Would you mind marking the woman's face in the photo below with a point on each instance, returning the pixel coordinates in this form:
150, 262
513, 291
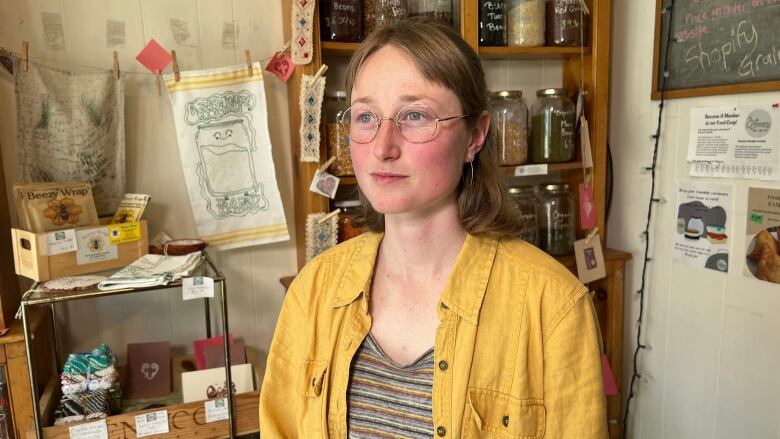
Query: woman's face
398, 176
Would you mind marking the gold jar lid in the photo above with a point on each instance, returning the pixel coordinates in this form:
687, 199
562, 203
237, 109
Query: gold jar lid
506, 94
522, 189
551, 92
555, 186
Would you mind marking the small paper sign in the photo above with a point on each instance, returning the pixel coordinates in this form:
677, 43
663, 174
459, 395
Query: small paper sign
124, 232
216, 410
587, 207
197, 287
281, 65
154, 57
590, 259
587, 155
149, 424
94, 246
61, 241
521, 171
90, 430
324, 184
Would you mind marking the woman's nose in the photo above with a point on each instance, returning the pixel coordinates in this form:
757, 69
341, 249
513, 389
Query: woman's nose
386, 141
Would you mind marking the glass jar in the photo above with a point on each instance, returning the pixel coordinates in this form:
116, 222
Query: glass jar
341, 20
525, 23
556, 219
523, 197
351, 223
510, 118
565, 23
377, 13
439, 9
338, 140
552, 127
492, 23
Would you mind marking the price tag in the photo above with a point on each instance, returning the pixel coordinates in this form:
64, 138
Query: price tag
281, 65
90, 430
521, 171
216, 410
590, 259
197, 288
152, 423
124, 232
61, 241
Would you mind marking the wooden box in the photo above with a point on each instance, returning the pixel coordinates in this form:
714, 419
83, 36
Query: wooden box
31, 260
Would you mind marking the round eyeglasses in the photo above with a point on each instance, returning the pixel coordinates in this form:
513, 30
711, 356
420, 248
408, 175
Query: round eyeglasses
417, 123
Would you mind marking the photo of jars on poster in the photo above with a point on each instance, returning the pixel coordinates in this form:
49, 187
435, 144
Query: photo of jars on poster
762, 258
701, 235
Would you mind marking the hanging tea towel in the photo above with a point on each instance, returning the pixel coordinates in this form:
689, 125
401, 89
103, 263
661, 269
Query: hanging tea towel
312, 90
222, 126
320, 236
71, 127
302, 26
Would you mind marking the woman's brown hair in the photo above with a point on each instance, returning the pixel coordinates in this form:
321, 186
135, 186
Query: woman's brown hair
443, 58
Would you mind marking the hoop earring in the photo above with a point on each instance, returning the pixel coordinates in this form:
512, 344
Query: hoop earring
471, 165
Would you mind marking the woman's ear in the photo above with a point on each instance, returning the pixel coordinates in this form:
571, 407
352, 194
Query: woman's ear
478, 136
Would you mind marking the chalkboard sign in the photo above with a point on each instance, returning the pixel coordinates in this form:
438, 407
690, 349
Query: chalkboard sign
717, 47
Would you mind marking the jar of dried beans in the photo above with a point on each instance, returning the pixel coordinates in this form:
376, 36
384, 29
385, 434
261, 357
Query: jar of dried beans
377, 13
523, 197
341, 20
438, 9
492, 23
556, 219
565, 22
338, 139
525, 22
510, 119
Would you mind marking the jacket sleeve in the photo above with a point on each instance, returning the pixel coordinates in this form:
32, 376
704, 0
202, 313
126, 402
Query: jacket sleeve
573, 382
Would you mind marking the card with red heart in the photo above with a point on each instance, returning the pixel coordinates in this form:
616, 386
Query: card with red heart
149, 370
281, 65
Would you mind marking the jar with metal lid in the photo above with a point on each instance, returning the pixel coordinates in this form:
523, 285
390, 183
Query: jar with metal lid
556, 219
338, 140
492, 23
351, 223
438, 9
525, 22
377, 13
341, 20
523, 197
510, 119
565, 22
552, 127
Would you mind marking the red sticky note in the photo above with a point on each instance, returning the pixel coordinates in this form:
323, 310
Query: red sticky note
281, 65
610, 388
200, 347
587, 207
154, 57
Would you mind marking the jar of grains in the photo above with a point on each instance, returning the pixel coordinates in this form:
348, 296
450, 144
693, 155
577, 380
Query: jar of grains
523, 197
377, 13
552, 127
341, 20
565, 23
338, 139
492, 23
438, 9
525, 22
351, 223
510, 117
556, 219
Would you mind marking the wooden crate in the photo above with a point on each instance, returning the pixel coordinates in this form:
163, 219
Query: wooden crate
31, 260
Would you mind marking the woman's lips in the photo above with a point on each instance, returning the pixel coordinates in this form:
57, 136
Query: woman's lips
386, 178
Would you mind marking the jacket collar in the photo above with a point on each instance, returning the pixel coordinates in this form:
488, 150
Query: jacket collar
463, 292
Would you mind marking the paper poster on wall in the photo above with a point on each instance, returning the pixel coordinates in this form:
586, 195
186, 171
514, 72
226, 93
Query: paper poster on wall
701, 235
735, 142
762, 260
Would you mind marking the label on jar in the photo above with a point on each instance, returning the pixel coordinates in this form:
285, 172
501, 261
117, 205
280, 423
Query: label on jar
524, 170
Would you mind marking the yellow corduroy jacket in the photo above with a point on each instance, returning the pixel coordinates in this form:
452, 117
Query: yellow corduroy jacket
517, 353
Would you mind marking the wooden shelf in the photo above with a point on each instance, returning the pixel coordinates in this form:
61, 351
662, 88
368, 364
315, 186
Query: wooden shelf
341, 50
530, 52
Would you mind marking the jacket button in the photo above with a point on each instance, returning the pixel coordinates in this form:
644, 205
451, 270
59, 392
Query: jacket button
505, 421
441, 431
443, 365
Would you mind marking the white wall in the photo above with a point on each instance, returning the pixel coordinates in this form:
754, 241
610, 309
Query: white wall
153, 165
712, 370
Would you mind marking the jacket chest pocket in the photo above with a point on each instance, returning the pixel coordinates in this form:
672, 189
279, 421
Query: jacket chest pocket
314, 392
491, 414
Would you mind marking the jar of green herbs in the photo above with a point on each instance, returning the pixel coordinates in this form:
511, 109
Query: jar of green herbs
552, 127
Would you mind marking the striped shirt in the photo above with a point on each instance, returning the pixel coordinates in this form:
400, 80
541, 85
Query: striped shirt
387, 400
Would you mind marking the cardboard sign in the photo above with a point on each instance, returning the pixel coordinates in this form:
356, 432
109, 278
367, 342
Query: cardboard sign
587, 207
215, 354
590, 259
149, 370
61, 241
90, 430
198, 287
281, 65
94, 246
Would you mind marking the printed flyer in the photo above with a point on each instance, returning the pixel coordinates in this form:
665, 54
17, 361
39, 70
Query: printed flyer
762, 260
702, 228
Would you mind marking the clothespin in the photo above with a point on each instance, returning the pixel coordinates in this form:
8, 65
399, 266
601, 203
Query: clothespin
25, 50
116, 65
248, 57
591, 235
175, 62
328, 216
584, 7
322, 70
158, 81
325, 165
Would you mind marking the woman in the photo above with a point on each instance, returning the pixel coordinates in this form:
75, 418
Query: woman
438, 322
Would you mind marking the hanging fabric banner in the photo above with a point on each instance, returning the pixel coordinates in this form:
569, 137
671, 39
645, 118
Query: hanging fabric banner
71, 127
301, 47
222, 126
310, 102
